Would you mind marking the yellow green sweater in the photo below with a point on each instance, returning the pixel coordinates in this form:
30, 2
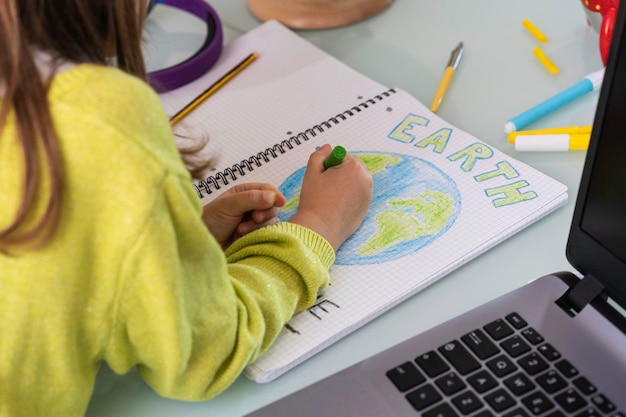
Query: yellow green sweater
132, 276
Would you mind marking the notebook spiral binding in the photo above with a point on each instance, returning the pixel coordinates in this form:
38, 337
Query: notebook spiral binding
223, 178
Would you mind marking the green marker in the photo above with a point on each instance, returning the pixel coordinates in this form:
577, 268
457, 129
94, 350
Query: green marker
335, 157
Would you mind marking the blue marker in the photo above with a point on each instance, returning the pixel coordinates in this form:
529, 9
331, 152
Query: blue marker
590, 83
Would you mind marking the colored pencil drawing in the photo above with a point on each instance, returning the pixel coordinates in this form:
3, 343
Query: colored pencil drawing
414, 203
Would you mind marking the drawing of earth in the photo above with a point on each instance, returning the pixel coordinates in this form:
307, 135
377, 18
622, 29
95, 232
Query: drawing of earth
414, 203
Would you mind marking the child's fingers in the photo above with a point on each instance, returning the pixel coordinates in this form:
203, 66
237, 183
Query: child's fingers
250, 226
316, 160
261, 216
237, 204
255, 196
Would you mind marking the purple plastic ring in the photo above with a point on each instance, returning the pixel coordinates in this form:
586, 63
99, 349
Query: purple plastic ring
197, 65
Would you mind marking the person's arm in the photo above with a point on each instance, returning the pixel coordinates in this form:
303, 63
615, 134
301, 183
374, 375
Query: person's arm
192, 319
333, 202
190, 316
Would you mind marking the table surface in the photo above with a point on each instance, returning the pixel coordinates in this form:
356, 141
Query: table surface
408, 46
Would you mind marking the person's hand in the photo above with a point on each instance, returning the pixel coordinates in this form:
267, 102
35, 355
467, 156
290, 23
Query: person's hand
333, 202
241, 210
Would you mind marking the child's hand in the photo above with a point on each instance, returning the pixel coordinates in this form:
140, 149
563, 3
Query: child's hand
334, 202
241, 210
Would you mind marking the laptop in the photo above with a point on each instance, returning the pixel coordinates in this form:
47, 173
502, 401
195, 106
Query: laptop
554, 347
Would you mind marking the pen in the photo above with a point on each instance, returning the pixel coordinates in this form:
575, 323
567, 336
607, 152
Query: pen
552, 142
213, 88
453, 63
336, 157
512, 136
590, 83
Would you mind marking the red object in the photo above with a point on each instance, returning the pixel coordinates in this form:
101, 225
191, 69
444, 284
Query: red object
608, 11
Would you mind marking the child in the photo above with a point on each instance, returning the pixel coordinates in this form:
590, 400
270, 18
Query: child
105, 251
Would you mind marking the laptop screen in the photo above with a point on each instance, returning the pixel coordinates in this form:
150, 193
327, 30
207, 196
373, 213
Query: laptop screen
597, 240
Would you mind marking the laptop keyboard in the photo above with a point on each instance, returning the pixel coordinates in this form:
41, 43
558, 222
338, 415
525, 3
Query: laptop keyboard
504, 369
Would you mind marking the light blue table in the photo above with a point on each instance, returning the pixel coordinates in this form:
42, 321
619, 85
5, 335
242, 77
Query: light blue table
408, 46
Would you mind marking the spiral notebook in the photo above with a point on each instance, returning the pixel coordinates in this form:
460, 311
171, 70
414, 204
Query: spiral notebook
441, 196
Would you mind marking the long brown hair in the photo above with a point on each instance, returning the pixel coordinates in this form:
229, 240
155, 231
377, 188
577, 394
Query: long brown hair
78, 31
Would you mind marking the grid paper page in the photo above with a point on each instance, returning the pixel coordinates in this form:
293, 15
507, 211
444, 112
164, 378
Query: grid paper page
441, 197
461, 198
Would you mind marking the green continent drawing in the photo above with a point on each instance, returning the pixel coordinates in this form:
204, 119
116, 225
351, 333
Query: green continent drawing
414, 203
378, 162
429, 213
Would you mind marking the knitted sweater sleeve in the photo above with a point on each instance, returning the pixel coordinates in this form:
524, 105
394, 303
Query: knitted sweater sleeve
190, 316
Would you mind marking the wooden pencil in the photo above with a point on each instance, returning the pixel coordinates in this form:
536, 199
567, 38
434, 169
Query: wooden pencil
213, 88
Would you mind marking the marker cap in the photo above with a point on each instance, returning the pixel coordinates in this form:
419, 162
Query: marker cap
542, 143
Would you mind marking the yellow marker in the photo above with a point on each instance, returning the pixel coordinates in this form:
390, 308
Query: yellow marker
453, 63
570, 130
534, 30
213, 88
543, 58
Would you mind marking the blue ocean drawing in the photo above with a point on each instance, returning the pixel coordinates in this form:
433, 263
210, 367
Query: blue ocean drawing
414, 203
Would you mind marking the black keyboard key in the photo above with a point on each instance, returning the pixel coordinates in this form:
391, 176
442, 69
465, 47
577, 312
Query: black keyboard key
501, 365
498, 329
515, 346
405, 376
480, 344
532, 336
584, 386
461, 354
519, 384
442, 410
570, 400
566, 368
533, 363
450, 383
556, 413
423, 397
516, 320
549, 352
537, 403
603, 403
467, 402
500, 400
482, 381
589, 412
551, 381
459, 357
518, 412
432, 363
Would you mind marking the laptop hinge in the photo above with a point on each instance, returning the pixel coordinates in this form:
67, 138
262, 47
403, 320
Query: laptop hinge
580, 295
